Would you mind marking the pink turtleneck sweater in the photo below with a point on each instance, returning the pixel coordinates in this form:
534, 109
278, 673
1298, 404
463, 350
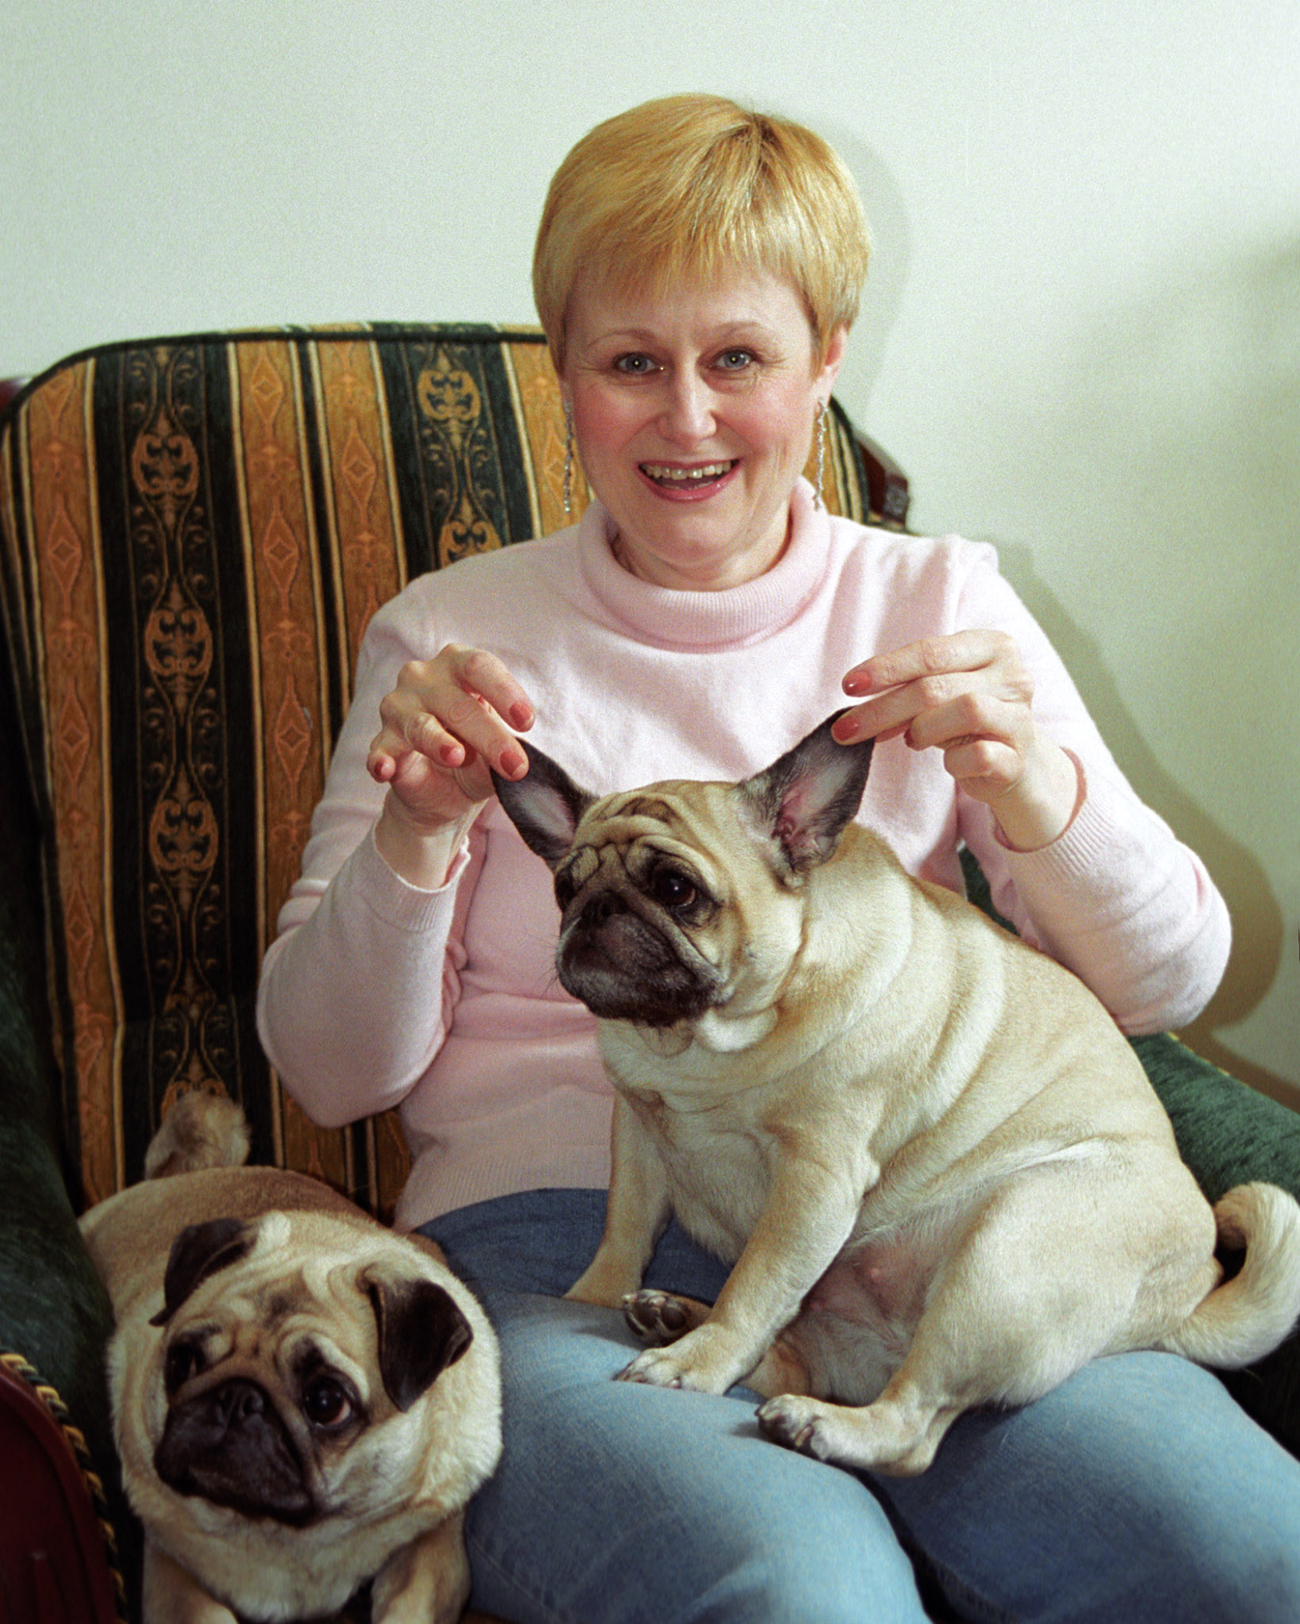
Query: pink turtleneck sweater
445, 1002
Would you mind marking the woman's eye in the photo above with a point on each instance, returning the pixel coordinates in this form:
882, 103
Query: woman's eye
634, 366
735, 360
327, 1403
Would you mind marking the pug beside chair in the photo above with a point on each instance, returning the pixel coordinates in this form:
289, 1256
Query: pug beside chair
193, 535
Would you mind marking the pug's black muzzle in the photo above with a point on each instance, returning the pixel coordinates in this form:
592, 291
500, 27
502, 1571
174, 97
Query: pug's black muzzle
625, 967
229, 1445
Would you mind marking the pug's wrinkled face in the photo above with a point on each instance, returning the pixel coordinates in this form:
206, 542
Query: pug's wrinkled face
652, 913
287, 1391
684, 897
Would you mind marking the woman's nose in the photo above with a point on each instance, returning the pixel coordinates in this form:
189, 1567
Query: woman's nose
687, 416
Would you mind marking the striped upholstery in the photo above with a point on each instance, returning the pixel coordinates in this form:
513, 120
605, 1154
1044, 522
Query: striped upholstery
193, 535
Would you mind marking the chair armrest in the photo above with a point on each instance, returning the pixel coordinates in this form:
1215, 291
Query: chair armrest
887, 486
9, 388
1228, 1135
57, 1555
55, 1321
55, 1316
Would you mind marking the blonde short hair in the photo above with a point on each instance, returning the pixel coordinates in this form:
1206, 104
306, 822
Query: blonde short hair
681, 188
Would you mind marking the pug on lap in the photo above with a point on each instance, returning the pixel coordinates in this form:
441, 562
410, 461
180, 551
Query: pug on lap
939, 1171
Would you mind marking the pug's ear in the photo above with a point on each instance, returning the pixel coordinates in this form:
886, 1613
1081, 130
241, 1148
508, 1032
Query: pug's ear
421, 1333
803, 802
545, 806
199, 1251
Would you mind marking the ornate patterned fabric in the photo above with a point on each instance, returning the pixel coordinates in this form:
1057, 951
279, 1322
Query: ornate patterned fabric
193, 536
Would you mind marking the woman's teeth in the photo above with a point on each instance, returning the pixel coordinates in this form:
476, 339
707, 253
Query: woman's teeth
664, 475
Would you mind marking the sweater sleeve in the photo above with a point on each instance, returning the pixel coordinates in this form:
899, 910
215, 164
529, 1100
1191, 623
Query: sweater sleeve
1116, 898
358, 988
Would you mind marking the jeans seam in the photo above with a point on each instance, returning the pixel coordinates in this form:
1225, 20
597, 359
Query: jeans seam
961, 1594
482, 1557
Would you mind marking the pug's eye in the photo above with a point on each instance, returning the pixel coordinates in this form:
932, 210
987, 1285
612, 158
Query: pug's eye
672, 889
565, 890
326, 1403
184, 1361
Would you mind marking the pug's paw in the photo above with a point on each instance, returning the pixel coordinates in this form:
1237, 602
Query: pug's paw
897, 1438
703, 1360
657, 1367
798, 1423
659, 1318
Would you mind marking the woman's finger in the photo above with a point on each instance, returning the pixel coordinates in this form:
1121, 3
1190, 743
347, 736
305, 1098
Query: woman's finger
927, 711
944, 695
450, 709
971, 715
472, 705
485, 677
985, 768
971, 650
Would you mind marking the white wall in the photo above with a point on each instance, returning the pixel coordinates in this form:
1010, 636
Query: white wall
1081, 338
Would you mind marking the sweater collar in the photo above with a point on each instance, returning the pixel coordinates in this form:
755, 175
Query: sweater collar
703, 620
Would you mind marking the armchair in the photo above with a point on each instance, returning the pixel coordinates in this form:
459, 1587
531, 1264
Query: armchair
193, 535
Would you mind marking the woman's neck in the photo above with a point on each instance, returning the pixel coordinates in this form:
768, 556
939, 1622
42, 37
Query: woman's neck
711, 574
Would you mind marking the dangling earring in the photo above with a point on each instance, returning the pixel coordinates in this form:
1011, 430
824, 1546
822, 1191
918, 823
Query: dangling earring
568, 461
821, 454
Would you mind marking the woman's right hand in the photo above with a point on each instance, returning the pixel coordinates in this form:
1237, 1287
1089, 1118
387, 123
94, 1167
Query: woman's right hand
444, 725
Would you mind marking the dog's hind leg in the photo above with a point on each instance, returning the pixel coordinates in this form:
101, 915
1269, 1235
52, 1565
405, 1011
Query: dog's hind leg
957, 1359
898, 1434
1049, 1274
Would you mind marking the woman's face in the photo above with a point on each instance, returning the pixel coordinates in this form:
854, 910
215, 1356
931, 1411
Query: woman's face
693, 415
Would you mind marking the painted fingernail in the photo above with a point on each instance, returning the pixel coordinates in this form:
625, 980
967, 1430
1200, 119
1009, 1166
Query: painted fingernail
844, 731
514, 763
521, 715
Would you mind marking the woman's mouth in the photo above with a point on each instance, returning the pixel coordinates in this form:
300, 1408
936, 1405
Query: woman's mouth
678, 479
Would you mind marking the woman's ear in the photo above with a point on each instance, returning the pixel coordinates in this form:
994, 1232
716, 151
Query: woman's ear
830, 367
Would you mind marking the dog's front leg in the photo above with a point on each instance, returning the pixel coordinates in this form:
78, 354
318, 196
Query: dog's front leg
426, 1582
809, 1216
172, 1595
636, 1213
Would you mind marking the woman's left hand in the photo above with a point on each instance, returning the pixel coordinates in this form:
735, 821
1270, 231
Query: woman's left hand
970, 695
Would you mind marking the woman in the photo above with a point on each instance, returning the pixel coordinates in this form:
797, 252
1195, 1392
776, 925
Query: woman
697, 272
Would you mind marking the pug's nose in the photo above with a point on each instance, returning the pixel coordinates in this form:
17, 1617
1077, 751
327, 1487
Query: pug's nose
600, 910
238, 1402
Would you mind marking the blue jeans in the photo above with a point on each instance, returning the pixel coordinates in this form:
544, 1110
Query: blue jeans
1137, 1492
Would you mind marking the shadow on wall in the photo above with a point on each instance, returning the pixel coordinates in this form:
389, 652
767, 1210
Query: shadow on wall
1187, 412
890, 252
1258, 934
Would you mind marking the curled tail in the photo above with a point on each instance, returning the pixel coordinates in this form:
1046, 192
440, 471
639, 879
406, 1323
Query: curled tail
1248, 1315
201, 1130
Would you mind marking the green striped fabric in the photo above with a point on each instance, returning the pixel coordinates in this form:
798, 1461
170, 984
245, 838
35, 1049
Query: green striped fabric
194, 533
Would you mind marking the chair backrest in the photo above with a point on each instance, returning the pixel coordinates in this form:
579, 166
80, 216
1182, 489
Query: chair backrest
194, 533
